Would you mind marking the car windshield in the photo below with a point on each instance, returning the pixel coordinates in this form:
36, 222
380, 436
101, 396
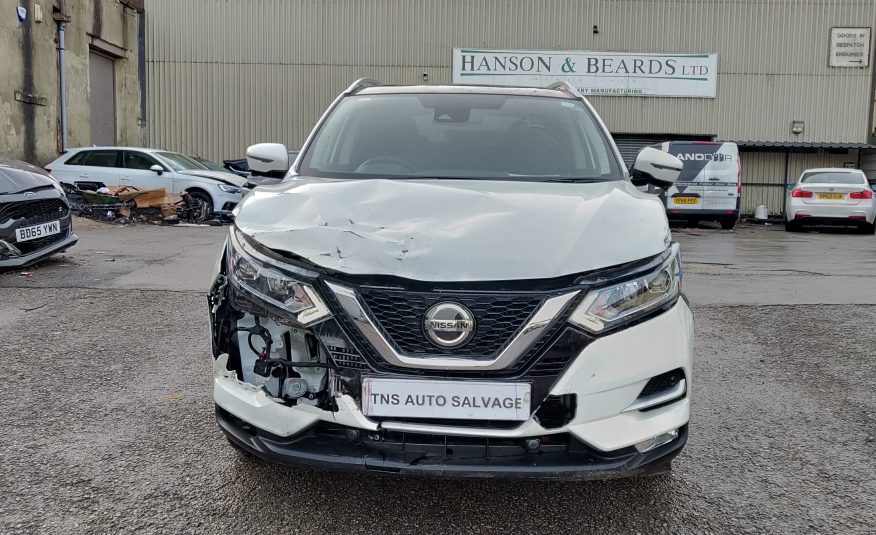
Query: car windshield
212, 166
832, 177
178, 162
461, 135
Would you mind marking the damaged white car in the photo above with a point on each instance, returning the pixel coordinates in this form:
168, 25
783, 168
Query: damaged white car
458, 281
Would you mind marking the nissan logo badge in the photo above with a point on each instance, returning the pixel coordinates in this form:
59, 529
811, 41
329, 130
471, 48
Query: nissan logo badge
449, 325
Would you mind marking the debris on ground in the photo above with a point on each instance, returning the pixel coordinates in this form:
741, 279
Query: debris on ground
129, 204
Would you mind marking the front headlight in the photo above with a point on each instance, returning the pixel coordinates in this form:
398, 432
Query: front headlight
272, 285
609, 307
227, 188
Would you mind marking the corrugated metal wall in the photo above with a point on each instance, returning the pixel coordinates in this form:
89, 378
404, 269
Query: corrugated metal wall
763, 175
227, 73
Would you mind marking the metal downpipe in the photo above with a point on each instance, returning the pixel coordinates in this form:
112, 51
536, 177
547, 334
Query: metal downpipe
62, 25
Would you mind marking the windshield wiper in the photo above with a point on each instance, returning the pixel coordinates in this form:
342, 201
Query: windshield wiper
578, 180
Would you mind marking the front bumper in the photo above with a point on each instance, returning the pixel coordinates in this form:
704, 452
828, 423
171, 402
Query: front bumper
332, 448
15, 255
37, 256
606, 378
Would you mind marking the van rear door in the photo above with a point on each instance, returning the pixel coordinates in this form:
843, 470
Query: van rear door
709, 182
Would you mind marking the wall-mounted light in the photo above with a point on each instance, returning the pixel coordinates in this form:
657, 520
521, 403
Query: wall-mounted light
798, 127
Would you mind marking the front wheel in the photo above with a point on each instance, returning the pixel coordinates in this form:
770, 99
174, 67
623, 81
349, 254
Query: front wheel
205, 199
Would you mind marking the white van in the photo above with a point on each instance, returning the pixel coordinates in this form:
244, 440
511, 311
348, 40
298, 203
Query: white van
710, 184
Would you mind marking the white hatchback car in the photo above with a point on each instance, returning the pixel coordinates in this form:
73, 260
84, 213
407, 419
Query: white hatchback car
150, 169
831, 196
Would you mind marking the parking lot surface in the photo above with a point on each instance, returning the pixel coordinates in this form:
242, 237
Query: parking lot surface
109, 422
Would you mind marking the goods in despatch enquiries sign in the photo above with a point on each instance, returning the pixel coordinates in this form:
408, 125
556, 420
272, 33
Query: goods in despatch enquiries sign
592, 72
849, 47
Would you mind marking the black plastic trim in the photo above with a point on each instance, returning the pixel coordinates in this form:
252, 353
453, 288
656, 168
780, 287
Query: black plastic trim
337, 452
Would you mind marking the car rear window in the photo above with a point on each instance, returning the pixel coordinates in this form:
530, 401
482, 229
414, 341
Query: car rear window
832, 177
722, 159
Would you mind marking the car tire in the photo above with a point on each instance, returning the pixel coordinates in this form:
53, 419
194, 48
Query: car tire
792, 226
204, 197
869, 228
727, 223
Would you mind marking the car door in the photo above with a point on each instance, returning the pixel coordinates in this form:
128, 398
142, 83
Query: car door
100, 165
138, 171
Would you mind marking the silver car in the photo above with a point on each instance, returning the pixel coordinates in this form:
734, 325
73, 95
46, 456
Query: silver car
831, 196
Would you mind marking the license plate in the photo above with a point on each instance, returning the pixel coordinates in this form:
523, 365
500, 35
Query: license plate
37, 231
464, 400
685, 200
832, 196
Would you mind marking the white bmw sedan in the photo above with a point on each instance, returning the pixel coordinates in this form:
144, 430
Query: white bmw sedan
831, 197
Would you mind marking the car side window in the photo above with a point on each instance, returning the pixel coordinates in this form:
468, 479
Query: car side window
138, 160
77, 158
102, 158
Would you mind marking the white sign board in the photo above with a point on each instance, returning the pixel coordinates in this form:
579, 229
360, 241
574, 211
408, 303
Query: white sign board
472, 400
850, 47
592, 73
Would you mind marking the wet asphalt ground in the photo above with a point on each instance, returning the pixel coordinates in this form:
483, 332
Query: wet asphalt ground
108, 424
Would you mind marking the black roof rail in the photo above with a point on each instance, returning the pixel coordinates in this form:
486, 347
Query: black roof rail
567, 88
361, 84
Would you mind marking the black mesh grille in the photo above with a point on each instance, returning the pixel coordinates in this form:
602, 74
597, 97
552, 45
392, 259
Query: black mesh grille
497, 317
34, 212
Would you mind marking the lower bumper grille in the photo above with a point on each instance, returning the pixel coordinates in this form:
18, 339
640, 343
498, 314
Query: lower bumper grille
33, 246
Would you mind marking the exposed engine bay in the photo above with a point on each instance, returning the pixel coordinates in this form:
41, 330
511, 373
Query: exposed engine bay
289, 363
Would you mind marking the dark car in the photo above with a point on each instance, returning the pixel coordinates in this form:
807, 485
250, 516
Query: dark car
241, 167
35, 220
213, 166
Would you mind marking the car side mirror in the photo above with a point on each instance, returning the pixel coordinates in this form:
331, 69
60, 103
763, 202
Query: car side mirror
271, 159
653, 166
157, 169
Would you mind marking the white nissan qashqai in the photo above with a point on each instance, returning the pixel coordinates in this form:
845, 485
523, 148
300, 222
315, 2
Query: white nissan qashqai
455, 281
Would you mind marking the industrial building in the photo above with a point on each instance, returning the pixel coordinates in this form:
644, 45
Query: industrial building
225, 74
92, 48
790, 81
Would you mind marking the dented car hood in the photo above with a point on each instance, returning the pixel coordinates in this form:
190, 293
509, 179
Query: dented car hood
228, 178
456, 230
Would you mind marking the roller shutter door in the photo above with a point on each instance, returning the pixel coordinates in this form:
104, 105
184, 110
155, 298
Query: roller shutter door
630, 145
868, 164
